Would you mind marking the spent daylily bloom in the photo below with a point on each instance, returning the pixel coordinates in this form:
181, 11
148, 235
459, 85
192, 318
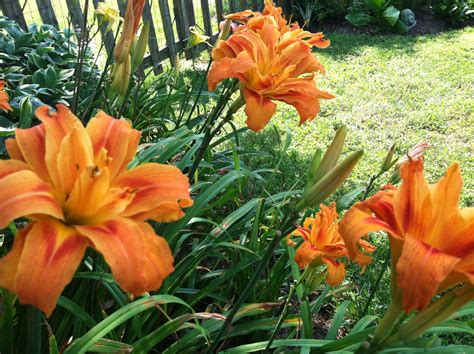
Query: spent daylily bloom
108, 14
432, 239
4, 98
195, 38
322, 244
71, 182
272, 61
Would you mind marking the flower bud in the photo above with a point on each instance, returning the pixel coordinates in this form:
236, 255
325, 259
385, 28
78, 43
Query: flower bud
139, 48
121, 76
332, 154
388, 162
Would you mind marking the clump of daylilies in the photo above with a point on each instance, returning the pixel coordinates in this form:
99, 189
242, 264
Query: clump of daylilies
71, 182
272, 59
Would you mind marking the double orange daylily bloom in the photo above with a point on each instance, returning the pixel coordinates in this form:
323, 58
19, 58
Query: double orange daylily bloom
72, 183
432, 240
4, 98
322, 244
273, 61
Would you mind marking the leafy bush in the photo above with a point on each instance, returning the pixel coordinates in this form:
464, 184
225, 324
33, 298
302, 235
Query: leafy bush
308, 11
455, 12
39, 65
380, 13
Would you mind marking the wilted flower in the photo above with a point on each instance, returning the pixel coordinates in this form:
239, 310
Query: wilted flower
415, 153
273, 61
108, 14
72, 183
432, 240
4, 98
322, 244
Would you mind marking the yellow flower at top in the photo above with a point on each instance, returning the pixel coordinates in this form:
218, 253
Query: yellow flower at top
322, 244
109, 14
431, 238
4, 98
73, 185
273, 61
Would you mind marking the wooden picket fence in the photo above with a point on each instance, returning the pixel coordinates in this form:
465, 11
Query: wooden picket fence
171, 18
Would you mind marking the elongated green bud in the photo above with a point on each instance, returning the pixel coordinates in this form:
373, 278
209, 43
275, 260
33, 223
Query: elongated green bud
388, 162
140, 46
331, 181
313, 168
332, 154
120, 77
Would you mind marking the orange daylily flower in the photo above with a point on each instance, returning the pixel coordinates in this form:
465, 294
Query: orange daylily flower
273, 61
72, 183
432, 240
4, 98
322, 244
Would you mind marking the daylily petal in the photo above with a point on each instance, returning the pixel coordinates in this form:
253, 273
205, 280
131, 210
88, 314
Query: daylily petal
306, 254
13, 149
24, 194
413, 202
130, 253
160, 192
230, 67
336, 271
431, 267
9, 263
117, 137
8, 167
303, 94
31, 143
259, 110
48, 255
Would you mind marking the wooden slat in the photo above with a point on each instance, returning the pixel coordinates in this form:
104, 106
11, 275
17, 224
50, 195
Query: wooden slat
12, 9
233, 5
255, 5
244, 5
46, 11
152, 40
189, 7
181, 19
206, 17
168, 28
219, 10
107, 36
75, 11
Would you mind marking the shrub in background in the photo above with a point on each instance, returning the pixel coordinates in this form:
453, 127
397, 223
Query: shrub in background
455, 12
38, 65
310, 11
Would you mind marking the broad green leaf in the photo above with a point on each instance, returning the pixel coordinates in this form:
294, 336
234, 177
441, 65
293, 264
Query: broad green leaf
337, 320
391, 15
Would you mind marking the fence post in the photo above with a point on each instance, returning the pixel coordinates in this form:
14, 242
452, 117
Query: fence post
46, 11
206, 16
233, 5
76, 13
168, 28
13, 10
219, 10
152, 40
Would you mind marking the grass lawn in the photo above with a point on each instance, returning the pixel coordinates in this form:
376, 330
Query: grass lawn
389, 89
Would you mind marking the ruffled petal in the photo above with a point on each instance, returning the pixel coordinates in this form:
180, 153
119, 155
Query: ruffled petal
306, 254
160, 192
358, 222
259, 110
46, 257
230, 67
421, 269
336, 271
117, 137
303, 94
24, 194
138, 262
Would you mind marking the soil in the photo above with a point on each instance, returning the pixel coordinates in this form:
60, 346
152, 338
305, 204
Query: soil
427, 22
